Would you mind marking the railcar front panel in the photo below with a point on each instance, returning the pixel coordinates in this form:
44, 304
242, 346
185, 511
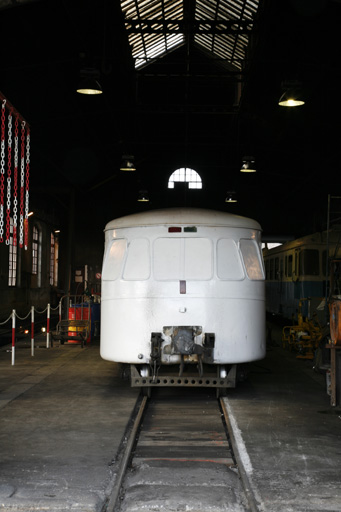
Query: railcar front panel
193, 277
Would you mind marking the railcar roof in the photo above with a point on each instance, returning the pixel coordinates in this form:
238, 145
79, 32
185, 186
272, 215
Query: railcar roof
188, 216
315, 239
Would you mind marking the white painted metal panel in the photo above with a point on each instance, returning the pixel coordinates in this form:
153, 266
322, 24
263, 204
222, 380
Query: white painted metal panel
220, 296
184, 216
238, 325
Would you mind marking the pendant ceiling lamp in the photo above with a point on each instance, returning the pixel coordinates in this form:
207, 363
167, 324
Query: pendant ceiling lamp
89, 81
143, 196
292, 95
231, 197
127, 163
248, 164
89, 86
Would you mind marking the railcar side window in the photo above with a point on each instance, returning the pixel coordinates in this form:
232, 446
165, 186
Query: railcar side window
271, 267
276, 269
324, 263
288, 265
309, 262
137, 265
252, 260
229, 266
113, 259
182, 258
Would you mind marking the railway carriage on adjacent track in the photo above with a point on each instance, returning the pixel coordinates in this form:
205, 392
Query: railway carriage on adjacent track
183, 289
298, 272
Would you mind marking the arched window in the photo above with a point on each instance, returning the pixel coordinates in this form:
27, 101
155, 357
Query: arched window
185, 175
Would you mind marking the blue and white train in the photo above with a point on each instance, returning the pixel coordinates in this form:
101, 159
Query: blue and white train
184, 288
299, 269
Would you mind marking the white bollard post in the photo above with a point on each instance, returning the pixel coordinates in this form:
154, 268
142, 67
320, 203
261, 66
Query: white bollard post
32, 331
48, 326
13, 337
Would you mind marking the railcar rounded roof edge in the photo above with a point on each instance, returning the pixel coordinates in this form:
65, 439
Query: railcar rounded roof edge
195, 216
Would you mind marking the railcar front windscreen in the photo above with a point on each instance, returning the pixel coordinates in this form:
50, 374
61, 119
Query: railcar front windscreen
113, 259
183, 258
252, 260
137, 265
229, 265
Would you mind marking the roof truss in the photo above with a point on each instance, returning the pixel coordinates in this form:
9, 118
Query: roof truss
220, 27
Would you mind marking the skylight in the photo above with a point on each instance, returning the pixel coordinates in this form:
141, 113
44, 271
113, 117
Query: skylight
221, 27
144, 21
185, 175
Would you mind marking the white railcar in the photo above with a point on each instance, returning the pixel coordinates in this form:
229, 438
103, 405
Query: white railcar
183, 287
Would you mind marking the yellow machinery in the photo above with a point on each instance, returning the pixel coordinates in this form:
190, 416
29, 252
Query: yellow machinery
304, 337
335, 302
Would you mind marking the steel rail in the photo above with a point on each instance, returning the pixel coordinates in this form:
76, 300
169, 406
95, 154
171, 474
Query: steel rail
111, 504
241, 470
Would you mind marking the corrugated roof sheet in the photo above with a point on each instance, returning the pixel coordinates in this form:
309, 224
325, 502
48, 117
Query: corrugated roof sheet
221, 27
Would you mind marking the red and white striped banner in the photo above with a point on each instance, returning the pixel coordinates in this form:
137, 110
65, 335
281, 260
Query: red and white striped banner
9, 159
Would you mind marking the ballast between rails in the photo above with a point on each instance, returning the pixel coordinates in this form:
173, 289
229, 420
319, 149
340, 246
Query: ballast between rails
118, 487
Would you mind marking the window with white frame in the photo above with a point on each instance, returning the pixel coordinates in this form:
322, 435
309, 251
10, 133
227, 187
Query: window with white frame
52, 259
185, 175
35, 242
12, 259
37, 253
56, 259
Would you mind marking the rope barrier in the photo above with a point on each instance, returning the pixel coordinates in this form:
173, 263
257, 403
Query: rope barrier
8, 319
40, 312
12, 317
24, 317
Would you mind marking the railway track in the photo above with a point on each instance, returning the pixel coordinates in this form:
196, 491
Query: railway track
180, 455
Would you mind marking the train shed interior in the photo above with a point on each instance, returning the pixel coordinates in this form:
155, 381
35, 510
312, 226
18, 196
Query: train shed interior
199, 94
114, 107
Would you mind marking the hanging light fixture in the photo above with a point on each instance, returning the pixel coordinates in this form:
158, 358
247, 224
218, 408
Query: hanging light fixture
89, 86
248, 164
89, 82
292, 95
127, 163
231, 197
143, 196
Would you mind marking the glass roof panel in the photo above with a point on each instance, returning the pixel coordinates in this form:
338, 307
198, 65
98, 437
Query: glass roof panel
155, 27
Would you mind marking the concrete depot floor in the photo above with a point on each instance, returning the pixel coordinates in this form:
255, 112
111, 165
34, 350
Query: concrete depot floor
289, 436
63, 414
64, 411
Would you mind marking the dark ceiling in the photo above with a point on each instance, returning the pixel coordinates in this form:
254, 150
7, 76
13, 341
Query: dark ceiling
179, 111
